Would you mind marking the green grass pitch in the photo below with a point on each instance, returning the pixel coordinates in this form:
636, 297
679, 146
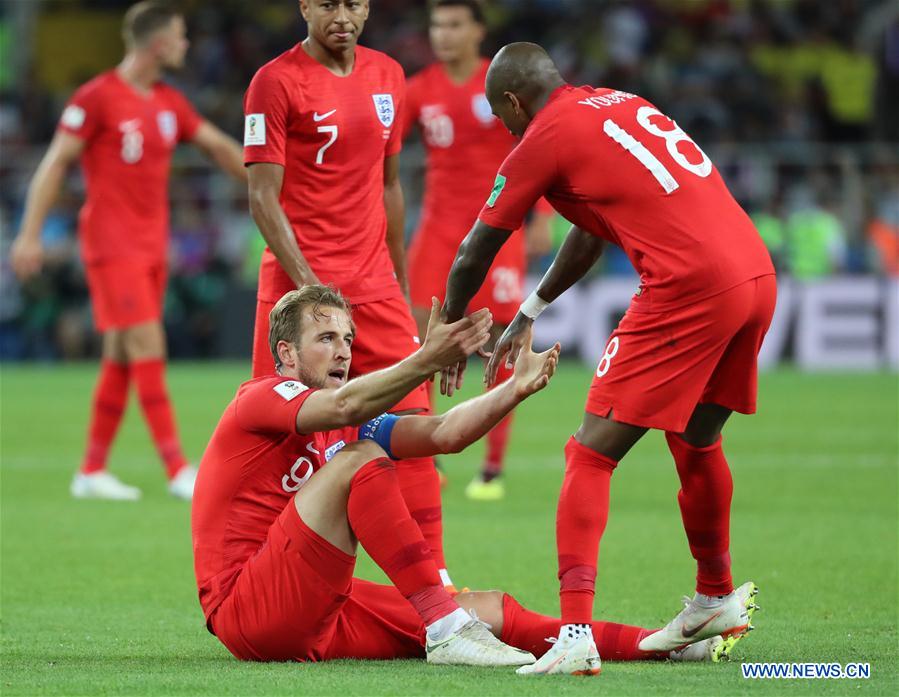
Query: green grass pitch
99, 597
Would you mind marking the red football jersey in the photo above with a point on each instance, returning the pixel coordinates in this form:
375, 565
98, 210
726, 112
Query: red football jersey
465, 145
331, 135
614, 165
129, 138
255, 462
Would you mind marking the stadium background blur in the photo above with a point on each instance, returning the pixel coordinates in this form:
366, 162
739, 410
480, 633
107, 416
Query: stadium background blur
797, 102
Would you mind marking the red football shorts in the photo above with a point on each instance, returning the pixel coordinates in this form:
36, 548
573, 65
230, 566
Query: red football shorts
297, 600
126, 293
431, 258
657, 367
385, 335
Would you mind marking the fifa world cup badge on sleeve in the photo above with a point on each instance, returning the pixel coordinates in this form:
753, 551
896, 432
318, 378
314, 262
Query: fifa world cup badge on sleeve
254, 129
290, 389
73, 117
498, 185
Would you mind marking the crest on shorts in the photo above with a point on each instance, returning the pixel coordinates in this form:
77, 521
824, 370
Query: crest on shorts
384, 108
481, 109
168, 125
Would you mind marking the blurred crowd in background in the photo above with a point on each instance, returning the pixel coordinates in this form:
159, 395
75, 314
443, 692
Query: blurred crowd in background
796, 101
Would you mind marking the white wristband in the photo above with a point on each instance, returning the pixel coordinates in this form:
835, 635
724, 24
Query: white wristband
533, 306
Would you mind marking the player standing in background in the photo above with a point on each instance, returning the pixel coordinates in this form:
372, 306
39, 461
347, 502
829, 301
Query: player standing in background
685, 354
124, 126
322, 143
465, 146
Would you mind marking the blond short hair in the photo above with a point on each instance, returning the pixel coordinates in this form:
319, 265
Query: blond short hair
144, 19
286, 318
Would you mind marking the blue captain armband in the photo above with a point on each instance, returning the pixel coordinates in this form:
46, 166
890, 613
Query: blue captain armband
379, 430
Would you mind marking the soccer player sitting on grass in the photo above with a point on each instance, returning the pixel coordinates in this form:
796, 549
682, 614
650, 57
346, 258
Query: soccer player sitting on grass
291, 482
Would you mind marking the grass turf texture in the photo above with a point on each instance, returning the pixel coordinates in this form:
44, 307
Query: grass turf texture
99, 597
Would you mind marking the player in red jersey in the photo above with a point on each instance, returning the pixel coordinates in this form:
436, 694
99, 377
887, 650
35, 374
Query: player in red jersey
322, 143
124, 125
465, 145
682, 358
275, 528
287, 488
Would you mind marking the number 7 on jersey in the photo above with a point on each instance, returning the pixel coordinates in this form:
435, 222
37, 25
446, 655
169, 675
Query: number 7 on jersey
320, 157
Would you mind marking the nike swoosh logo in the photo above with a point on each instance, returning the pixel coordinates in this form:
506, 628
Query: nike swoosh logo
551, 665
318, 117
692, 632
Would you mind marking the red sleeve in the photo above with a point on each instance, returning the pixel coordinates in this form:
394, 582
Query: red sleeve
266, 108
395, 144
271, 405
544, 207
188, 119
83, 115
523, 178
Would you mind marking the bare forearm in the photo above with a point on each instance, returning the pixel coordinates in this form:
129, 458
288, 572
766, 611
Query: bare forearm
229, 156
395, 208
278, 234
42, 193
576, 257
470, 268
365, 397
452, 432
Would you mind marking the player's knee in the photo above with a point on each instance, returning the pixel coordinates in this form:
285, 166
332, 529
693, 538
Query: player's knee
488, 605
356, 455
144, 341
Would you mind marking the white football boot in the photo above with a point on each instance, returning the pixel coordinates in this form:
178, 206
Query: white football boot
568, 656
182, 484
102, 485
728, 618
474, 645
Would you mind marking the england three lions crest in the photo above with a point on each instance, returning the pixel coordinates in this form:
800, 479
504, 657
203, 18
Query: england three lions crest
168, 125
384, 108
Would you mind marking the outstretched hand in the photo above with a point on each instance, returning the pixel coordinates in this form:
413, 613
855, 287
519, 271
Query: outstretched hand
533, 371
446, 345
509, 346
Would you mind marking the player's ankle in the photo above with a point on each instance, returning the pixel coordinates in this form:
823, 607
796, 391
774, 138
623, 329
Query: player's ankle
447, 625
575, 631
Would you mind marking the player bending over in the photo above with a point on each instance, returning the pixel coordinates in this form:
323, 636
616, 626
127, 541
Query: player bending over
682, 358
287, 488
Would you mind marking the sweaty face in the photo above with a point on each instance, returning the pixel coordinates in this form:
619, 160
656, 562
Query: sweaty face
335, 24
324, 353
170, 44
454, 33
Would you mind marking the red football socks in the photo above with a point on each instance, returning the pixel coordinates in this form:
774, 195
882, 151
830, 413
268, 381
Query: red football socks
380, 520
420, 486
149, 376
704, 498
110, 397
580, 521
498, 437
529, 630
